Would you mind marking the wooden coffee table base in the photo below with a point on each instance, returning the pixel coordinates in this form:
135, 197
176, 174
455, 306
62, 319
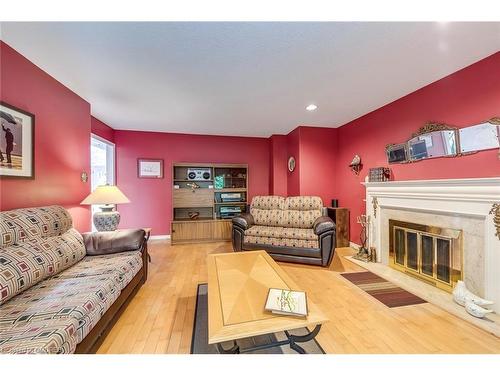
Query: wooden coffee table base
291, 340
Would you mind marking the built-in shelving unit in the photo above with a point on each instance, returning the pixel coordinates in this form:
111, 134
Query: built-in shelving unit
215, 192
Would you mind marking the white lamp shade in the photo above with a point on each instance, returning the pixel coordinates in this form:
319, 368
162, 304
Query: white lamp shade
106, 194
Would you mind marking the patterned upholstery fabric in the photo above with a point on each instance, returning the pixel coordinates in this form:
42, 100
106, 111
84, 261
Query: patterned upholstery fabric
284, 221
84, 299
289, 242
268, 202
77, 297
41, 337
301, 212
303, 203
30, 261
51, 294
18, 225
280, 232
122, 266
268, 210
292, 212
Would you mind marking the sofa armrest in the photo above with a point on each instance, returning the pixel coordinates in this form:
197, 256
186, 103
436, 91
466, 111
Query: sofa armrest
323, 224
102, 243
244, 220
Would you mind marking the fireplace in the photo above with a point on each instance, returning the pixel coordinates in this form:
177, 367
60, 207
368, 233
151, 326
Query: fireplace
429, 253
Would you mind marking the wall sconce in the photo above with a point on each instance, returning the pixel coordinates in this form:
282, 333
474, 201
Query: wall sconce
84, 177
356, 165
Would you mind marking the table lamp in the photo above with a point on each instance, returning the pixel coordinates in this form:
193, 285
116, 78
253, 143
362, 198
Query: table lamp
106, 196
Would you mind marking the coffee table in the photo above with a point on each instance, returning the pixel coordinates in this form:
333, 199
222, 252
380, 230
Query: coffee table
238, 284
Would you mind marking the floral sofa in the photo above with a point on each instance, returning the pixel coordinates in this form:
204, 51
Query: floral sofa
54, 296
292, 229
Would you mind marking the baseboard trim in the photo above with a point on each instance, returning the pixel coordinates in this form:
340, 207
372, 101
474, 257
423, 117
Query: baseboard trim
160, 237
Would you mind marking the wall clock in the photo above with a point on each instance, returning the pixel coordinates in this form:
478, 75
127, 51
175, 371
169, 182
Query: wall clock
291, 163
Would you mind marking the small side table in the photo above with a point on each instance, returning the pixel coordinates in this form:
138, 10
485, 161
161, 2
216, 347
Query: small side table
340, 217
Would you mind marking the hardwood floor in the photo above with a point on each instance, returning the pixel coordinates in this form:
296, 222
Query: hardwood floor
160, 317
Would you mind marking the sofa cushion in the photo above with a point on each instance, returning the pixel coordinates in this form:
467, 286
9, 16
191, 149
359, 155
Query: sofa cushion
30, 261
122, 266
302, 212
264, 231
112, 242
268, 202
39, 337
280, 232
85, 299
19, 225
286, 242
303, 203
268, 210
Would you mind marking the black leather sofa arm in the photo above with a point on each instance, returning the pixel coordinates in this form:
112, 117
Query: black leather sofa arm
323, 224
102, 243
244, 220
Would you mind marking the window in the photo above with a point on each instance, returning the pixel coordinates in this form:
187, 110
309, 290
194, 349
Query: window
102, 164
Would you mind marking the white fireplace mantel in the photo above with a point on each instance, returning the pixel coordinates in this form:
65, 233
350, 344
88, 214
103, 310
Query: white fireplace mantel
472, 197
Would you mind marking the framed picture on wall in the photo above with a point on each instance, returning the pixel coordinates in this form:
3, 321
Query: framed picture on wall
150, 168
17, 142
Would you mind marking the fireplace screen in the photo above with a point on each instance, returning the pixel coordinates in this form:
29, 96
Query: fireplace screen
430, 253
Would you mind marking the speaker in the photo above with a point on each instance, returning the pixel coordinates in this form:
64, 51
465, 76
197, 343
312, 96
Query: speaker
335, 203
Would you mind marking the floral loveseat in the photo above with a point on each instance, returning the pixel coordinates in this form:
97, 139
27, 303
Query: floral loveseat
54, 297
292, 229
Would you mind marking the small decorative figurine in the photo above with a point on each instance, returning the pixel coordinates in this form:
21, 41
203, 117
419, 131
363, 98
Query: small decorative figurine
476, 310
462, 295
193, 215
356, 164
193, 185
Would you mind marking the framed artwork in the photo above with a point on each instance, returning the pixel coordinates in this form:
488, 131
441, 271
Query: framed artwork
17, 142
150, 168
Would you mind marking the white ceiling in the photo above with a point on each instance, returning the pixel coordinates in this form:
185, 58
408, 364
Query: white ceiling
251, 79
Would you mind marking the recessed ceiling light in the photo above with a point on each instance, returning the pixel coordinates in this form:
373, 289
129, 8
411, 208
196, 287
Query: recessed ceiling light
311, 107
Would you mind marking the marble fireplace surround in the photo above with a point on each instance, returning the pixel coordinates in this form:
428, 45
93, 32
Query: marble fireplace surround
454, 203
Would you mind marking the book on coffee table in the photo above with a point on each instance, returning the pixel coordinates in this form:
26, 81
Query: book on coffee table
286, 302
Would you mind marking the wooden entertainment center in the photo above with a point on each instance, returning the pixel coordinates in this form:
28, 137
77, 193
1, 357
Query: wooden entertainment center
213, 193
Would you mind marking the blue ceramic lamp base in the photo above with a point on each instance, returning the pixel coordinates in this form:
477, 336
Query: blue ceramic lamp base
107, 220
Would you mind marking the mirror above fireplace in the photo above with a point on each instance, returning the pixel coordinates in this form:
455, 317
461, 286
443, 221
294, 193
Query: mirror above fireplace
435, 140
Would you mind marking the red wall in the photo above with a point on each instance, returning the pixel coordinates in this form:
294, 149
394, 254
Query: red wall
464, 98
102, 130
318, 152
151, 199
62, 139
314, 150
293, 147
278, 161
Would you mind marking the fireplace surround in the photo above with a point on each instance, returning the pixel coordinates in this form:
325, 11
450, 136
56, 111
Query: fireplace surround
460, 209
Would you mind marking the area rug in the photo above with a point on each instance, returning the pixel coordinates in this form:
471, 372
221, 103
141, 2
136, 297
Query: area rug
199, 342
386, 292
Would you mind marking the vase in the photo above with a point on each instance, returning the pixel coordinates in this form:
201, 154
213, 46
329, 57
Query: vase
461, 295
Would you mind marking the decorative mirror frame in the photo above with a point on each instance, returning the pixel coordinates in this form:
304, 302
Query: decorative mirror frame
431, 127
394, 146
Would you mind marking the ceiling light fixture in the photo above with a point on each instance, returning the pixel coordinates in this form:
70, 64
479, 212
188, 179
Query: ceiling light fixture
311, 107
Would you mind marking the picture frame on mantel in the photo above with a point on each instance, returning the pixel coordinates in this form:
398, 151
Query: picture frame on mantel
17, 142
149, 168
